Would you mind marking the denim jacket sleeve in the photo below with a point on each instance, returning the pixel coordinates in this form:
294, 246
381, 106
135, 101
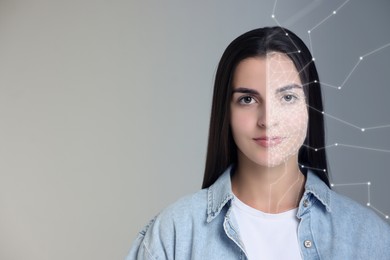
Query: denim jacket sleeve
169, 234
139, 249
159, 238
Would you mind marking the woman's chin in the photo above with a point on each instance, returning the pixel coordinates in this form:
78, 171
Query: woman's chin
272, 162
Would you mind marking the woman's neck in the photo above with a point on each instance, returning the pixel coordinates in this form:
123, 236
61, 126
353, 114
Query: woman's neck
269, 189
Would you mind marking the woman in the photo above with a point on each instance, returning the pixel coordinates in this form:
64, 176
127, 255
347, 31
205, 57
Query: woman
266, 190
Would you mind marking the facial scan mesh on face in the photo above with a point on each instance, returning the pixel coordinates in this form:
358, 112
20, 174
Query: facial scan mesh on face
287, 113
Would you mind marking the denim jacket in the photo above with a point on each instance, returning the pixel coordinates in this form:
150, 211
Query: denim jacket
201, 226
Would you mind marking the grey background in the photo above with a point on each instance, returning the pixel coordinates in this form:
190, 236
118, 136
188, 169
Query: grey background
104, 109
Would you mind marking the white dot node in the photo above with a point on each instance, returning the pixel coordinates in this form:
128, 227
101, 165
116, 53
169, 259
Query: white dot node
309, 31
361, 58
286, 34
363, 129
334, 12
387, 217
368, 204
302, 166
313, 59
273, 16
315, 81
299, 51
324, 170
316, 150
331, 185
339, 88
368, 183
336, 144
322, 112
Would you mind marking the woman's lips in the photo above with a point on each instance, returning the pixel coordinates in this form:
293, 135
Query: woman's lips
268, 141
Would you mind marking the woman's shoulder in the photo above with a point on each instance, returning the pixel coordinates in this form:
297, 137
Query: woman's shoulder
178, 219
191, 206
347, 211
352, 228
188, 206
344, 203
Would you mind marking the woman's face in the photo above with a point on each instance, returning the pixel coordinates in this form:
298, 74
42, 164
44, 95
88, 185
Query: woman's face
268, 110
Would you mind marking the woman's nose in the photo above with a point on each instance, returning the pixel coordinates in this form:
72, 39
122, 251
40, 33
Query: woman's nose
268, 116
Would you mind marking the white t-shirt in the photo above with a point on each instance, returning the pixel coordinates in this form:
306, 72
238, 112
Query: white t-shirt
267, 236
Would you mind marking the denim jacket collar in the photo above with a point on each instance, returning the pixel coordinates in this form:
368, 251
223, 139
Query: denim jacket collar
220, 193
315, 186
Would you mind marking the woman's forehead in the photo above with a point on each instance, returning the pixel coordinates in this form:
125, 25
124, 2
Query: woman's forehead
273, 70
280, 67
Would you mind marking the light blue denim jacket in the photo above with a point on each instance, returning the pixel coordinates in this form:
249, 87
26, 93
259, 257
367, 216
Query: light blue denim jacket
201, 226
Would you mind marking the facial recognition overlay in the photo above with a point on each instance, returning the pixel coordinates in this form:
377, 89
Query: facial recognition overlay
356, 131
287, 115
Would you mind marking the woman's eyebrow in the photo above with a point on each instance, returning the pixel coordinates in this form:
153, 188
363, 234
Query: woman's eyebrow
246, 91
254, 92
288, 87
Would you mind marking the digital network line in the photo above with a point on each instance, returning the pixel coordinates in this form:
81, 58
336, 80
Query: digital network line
356, 65
346, 145
325, 19
362, 129
368, 195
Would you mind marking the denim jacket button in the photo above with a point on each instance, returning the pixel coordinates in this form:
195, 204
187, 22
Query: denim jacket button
307, 243
305, 203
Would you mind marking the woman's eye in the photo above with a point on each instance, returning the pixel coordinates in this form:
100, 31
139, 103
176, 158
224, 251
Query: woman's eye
289, 98
246, 100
